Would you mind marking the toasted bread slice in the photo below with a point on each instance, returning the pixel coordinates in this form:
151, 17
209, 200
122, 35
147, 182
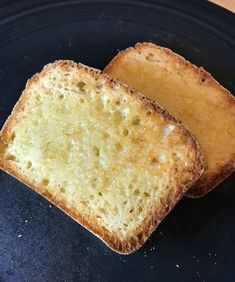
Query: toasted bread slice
191, 94
113, 160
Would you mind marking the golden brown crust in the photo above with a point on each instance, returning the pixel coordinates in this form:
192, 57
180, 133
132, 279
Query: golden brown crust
207, 182
140, 235
199, 71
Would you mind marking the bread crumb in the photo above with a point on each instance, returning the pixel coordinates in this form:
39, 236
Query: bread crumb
19, 236
177, 266
26, 221
50, 206
152, 249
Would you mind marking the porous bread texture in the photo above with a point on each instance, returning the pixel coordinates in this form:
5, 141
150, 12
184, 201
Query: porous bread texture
189, 93
110, 158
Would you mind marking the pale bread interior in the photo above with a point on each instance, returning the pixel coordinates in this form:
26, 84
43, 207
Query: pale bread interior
89, 146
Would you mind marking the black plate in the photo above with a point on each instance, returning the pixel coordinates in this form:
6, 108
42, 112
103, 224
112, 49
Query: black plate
38, 242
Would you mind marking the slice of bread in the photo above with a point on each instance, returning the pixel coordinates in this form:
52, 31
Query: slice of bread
113, 160
191, 94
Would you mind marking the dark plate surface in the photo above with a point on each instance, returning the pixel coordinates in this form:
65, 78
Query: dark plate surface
38, 242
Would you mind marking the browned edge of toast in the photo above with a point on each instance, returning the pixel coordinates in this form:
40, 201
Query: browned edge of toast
208, 182
122, 247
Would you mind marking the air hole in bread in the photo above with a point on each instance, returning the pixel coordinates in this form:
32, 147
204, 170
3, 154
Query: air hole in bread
135, 140
61, 96
91, 197
105, 135
119, 146
148, 113
29, 164
150, 57
125, 132
140, 236
96, 151
13, 135
146, 195
100, 194
124, 203
45, 182
202, 80
117, 102
131, 210
99, 86
81, 85
62, 190
136, 120
154, 160
136, 192
81, 100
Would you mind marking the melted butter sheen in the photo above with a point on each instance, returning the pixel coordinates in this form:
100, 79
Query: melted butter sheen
100, 151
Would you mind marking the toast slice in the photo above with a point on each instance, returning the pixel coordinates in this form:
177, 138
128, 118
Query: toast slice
192, 95
113, 160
